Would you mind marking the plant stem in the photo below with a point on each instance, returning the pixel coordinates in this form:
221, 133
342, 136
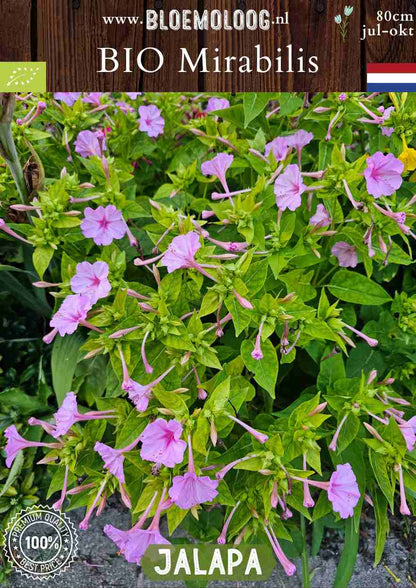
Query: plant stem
306, 579
7, 146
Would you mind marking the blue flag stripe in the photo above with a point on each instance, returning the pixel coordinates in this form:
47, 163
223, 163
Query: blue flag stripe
392, 87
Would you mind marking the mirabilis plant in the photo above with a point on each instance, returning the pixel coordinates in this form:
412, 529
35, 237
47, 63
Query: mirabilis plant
237, 272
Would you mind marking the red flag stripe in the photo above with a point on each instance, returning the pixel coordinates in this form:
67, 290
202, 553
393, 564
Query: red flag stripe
391, 67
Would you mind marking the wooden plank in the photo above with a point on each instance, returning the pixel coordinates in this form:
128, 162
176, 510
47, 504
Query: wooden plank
339, 59
386, 48
239, 43
170, 43
312, 28
15, 30
69, 33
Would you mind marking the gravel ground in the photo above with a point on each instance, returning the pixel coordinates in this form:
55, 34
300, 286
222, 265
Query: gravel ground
98, 565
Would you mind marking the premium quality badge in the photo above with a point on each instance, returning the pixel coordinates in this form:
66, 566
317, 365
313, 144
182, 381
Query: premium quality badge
40, 542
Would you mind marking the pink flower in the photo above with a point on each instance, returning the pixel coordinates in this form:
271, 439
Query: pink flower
222, 539
72, 312
404, 509
383, 174
299, 140
190, 490
181, 252
412, 422
343, 491
89, 144
371, 342
218, 167
103, 225
16, 442
150, 120
133, 543
261, 437
47, 427
161, 443
243, 301
346, 254
257, 352
232, 246
133, 95
68, 97
308, 501
223, 471
114, 458
279, 147
289, 188
139, 394
408, 434
85, 521
321, 217
387, 131
9, 231
287, 565
91, 279
124, 107
68, 414
398, 217
93, 98
148, 368
59, 503
333, 444
385, 112
215, 103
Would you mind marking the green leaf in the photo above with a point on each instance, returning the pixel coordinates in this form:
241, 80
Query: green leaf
210, 303
378, 464
330, 370
41, 259
241, 316
10, 284
171, 401
349, 555
175, 516
130, 429
65, 354
217, 400
348, 432
265, 370
201, 435
14, 472
322, 506
352, 287
289, 103
300, 282
234, 114
382, 524
256, 276
13, 397
253, 105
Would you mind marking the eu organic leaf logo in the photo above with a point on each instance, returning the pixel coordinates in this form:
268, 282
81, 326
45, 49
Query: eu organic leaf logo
22, 76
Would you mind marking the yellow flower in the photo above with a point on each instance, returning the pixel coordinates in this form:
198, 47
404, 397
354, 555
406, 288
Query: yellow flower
408, 158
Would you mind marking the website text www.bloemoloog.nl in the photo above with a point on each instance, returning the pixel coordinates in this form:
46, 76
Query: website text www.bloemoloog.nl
189, 20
